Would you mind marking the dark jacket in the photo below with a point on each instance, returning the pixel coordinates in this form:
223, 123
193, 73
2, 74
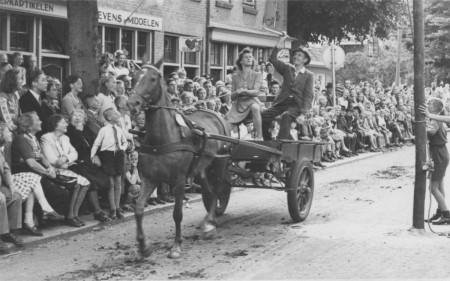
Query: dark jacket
28, 103
343, 125
300, 87
93, 125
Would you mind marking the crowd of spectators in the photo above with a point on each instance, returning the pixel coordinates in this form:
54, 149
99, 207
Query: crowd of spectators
67, 152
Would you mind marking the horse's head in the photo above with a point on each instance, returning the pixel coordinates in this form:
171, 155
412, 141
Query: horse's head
148, 89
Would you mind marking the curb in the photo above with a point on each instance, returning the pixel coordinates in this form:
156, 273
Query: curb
92, 225
359, 158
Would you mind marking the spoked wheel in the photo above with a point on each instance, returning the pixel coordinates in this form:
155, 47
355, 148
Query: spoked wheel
222, 202
223, 196
301, 190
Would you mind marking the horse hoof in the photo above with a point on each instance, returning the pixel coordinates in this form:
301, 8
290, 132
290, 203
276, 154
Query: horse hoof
145, 251
209, 233
174, 254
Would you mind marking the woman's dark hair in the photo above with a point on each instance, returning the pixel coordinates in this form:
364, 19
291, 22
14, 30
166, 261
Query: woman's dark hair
52, 122
241, 55
69, 80
25, 122
10, 82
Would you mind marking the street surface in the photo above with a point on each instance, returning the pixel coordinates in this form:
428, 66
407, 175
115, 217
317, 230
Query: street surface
358, 228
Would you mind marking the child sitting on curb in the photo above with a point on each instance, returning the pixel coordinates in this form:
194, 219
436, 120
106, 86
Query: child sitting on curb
133, 181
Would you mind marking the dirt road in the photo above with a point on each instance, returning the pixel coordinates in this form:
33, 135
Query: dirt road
357, 228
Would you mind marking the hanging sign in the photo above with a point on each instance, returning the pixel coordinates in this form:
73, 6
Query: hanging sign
191, 44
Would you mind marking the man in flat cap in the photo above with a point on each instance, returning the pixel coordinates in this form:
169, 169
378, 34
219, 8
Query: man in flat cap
296, 95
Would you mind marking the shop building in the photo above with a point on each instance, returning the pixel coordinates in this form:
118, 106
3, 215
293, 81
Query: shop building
156, 29
41, 28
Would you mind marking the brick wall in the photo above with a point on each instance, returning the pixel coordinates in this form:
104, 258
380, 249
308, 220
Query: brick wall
188, 17
252, 19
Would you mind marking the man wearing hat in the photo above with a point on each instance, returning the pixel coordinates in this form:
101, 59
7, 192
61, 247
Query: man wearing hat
296, 94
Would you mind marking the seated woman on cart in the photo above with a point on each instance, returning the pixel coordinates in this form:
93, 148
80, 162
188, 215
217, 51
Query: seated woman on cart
296, 95
245, 90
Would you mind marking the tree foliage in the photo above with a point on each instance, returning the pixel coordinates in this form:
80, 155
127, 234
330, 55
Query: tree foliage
322, 20
360, 67
437, 38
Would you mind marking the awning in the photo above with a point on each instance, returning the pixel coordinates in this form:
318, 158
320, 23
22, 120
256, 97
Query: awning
244, 36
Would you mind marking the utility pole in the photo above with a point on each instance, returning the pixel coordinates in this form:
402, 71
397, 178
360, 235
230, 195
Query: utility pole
420, 129
207, 37
399, 53
333, 70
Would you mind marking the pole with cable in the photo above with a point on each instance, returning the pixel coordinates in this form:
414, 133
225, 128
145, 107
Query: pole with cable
420, 128
333, 70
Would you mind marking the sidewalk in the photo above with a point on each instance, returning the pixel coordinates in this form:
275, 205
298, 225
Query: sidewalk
58, 231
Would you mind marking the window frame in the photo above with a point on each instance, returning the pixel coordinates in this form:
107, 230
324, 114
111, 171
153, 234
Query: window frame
65, 40
190, 55
172, 51
250, 3
216, 54
29, 34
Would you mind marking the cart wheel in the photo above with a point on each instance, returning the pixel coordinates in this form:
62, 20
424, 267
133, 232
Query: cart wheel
222, 202
224, 196
301, 190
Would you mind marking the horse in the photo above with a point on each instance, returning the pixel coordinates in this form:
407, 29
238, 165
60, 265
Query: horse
171, 153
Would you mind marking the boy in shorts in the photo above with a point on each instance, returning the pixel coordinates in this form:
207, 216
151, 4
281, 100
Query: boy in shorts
437, 136
111, 144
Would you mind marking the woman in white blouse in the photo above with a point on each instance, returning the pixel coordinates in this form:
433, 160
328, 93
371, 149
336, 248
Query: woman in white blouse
73, 87
61, 154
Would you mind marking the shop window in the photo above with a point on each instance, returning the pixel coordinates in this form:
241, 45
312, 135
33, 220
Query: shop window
216, 54
54, 36
100, 40
2, 31
216, 74
127, 41
168, 69
142, 47
191, 72
230, 55
190, 58
111, 39
251, 3
20, 33
170, 48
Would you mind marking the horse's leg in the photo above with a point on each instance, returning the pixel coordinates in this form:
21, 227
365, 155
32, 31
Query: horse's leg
209, 223
146, 189
218, 167
175, 252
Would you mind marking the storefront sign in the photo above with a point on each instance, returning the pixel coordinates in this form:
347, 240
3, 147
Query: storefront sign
136, 20
190, 44
35, 7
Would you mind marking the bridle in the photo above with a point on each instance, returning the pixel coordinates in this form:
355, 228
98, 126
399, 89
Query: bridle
148, 106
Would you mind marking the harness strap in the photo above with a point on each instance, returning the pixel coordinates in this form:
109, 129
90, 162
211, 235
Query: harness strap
167, 148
